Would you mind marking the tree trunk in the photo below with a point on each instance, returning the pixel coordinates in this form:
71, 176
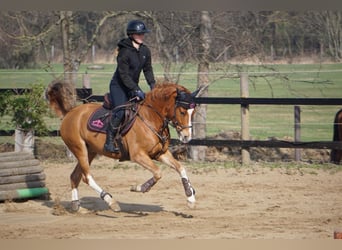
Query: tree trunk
70, 63
198, 153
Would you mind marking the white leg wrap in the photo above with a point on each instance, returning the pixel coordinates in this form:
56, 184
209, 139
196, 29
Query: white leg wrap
183, 174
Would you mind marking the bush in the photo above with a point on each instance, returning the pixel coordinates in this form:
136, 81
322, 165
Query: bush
27, 110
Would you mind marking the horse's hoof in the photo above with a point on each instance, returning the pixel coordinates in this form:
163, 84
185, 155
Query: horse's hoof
191, 205
191, 202
136, 188
75, 206
115, 207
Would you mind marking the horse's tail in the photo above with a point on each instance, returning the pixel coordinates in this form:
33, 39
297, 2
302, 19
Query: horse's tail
336, 135
61, 96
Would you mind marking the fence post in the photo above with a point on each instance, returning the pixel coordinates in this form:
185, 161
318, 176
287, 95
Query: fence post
86, 81
244, 92
297, 131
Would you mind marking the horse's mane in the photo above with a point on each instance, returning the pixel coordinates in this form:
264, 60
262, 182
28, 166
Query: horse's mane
61, 96
164, 90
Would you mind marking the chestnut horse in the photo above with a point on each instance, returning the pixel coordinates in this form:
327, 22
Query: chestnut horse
336, 154
147, 140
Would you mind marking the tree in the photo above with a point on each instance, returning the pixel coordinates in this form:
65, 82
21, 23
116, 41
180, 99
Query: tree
73, 55
27, 112
327, 28
199, 127
22, 33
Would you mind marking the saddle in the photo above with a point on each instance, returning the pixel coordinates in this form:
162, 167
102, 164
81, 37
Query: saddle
99, 119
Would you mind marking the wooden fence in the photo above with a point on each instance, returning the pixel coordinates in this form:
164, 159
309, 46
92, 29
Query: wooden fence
86, 95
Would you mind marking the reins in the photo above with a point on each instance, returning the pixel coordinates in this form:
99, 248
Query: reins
173, 122
163, 133
159, 134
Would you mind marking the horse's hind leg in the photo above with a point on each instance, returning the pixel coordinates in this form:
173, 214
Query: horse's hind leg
75, 179
81, 171
168, 159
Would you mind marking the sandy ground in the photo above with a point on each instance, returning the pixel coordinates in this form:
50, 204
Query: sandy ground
244, 202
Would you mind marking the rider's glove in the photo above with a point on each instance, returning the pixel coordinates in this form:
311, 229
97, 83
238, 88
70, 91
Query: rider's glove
138, 94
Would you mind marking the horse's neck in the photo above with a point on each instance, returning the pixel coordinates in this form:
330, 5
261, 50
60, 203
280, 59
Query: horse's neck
160, 105
155, 112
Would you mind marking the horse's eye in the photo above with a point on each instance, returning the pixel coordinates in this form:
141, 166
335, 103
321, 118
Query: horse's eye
182, 113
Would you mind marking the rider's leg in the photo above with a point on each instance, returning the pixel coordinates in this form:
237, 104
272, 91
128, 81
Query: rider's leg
112, 130
118, 97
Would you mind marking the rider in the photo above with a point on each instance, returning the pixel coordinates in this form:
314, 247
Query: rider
133, 57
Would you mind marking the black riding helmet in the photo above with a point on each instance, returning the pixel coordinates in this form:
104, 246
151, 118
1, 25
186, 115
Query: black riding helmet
136, 27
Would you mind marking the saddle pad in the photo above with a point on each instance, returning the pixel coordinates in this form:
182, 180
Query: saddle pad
98, 121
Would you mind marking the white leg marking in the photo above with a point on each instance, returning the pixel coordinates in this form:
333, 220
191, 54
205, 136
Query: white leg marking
183, 174
99, 190
74, 194
93, 184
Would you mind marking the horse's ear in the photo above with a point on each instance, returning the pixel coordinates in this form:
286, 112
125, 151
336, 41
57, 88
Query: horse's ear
195, 93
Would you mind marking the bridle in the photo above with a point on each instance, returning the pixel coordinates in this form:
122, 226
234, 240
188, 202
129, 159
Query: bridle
159, 133
173, 122
184, 100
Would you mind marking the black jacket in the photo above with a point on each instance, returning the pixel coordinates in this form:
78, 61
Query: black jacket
130, 63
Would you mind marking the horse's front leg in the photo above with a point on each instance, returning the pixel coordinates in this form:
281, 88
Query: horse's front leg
168, 159
146, 162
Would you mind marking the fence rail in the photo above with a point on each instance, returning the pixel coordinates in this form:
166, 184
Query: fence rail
85, 95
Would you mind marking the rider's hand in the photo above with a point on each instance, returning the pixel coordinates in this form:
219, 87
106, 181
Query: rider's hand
138, 94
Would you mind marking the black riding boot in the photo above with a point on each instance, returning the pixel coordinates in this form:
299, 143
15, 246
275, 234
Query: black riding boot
111, 132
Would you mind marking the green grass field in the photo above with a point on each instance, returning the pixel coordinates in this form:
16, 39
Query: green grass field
273, 81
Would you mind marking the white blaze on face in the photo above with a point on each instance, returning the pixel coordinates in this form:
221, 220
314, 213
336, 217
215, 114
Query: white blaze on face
190, 111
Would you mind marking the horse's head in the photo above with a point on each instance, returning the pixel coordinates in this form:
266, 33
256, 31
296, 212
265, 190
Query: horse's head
184, 110
175, 104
